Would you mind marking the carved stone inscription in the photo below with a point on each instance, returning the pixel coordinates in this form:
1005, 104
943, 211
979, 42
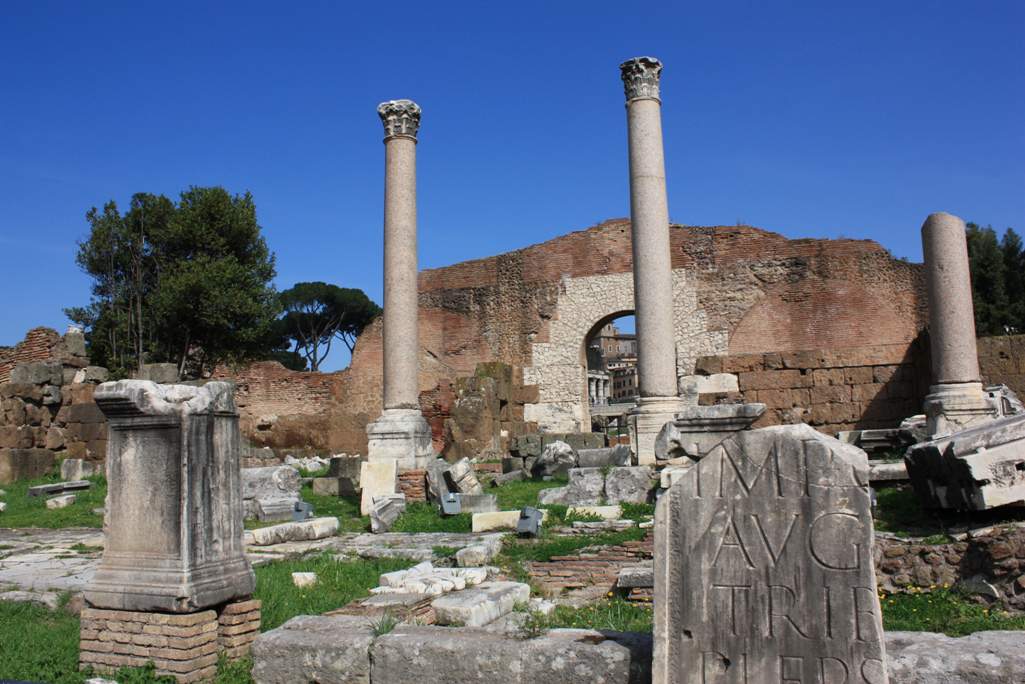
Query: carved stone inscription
763, 566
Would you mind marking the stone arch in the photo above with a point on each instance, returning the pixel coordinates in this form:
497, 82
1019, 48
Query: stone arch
582, 303
601, 323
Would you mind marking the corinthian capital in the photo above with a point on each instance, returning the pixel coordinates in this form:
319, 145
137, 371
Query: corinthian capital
401, 118
640, 78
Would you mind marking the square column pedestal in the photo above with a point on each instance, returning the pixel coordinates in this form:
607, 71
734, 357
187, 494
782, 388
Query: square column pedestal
957, 406
646, 421
401, 435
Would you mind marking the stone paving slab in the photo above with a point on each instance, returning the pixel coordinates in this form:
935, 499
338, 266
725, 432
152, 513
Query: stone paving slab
42, 559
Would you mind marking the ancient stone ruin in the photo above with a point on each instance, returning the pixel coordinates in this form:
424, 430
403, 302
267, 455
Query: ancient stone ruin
763, 565
173, 564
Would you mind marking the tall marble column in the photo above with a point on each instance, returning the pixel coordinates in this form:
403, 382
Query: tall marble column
957, 399
401, 433
653, 276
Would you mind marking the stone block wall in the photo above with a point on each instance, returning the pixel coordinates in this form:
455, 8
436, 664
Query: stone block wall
859, 388
43, 344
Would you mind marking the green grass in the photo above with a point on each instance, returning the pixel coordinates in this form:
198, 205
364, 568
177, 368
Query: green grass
424, 517
31, 511
549, 545
345, 508
943, 610
444, 551
636, 511
338, 583
516, 495
614, 614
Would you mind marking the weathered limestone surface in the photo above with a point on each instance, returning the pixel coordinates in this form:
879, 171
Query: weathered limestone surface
480, 605
174, 499
556, 457
763, 564
377, 478
586, 486
309, 648
980, 658
318, 528
24, 464
385, 510
269, 488
696, 430
975, 469
618, 455
630, 485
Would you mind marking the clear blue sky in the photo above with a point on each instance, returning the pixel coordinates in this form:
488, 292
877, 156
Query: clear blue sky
803, 118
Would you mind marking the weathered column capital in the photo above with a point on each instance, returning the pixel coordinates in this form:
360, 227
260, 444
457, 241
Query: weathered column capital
401, 119
640, 78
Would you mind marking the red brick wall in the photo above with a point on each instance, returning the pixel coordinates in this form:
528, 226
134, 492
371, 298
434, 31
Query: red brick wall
40, 344
1002, 360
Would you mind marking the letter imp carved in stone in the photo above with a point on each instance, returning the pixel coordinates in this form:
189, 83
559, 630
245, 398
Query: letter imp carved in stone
763, 565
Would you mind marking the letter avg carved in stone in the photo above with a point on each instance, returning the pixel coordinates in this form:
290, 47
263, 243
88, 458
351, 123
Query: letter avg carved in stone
174, 499
763, 565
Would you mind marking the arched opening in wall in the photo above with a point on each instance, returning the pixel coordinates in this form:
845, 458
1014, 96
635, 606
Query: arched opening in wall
608, 360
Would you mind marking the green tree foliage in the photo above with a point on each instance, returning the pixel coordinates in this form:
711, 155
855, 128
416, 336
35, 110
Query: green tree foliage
185, 282
998, 288
316, 313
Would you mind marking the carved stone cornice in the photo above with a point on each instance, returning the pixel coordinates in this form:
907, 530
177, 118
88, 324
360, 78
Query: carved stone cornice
401, 118
640, 78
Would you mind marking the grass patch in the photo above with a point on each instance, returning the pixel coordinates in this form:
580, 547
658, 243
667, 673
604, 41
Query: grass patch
637, 511
943, 610
86, 548
345, 508
516, 495
444, 551
338, 583
542, 549
31, 511
615, 614
421, 516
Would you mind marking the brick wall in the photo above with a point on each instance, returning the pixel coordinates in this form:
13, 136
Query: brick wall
860, 388
40, 344
1002, 360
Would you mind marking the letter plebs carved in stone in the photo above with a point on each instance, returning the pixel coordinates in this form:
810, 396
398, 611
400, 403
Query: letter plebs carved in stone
763, 565
174, 499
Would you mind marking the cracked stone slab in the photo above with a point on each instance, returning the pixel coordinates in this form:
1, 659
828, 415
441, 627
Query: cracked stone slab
481, 605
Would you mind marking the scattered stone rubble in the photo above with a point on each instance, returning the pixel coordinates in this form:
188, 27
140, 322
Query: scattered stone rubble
270, 493
599, 486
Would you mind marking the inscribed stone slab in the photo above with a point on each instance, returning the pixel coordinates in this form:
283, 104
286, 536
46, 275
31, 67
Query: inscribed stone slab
763, 566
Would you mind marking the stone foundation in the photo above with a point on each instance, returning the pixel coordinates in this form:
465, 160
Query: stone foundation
185, 647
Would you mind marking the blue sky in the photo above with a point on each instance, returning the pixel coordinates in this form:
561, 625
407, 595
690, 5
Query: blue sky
810, 119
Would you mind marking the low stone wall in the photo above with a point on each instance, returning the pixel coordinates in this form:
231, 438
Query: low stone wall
413, 483
861, 388
598, 568
344, 648
997, 558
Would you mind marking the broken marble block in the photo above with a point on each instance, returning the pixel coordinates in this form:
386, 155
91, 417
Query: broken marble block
342, 477
459, 477
607, 456
975, 469
317, 528
635, 484
385, 511
59, 488
270, 492
586, 487
77, 469
478, 503
483, 604
696, 430
60, 501
556, 459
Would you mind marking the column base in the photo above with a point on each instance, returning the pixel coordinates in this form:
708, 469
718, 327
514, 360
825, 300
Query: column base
646, 421
957, 406
401, 435
184, 645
